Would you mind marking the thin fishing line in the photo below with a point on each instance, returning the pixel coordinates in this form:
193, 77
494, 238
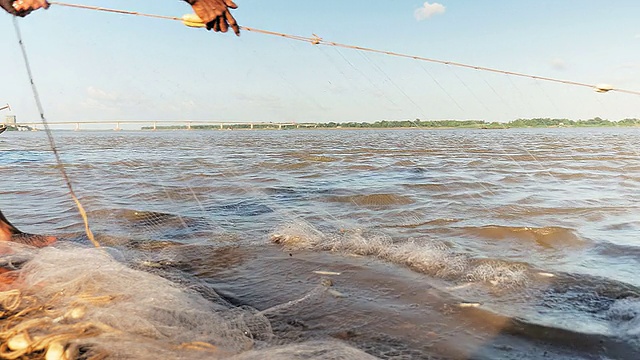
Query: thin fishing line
364, 56
546, 94
520, 94
369, 79
418, 107
442, 88
351, 81
292, 87
503, 100
473, 94
52, 143
315, 40
365, 76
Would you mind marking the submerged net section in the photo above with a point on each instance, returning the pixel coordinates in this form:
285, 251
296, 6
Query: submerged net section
88, 304
75, 302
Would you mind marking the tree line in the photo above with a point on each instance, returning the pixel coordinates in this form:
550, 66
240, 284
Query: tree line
518, 123
417, 123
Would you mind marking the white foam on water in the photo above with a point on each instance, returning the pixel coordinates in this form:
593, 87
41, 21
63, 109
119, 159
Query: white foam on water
625, 314
423, 255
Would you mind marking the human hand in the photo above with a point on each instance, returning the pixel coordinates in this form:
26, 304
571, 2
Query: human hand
216, 15
23, 7
6, 5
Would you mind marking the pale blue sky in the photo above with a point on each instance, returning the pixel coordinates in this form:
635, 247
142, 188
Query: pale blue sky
99, 66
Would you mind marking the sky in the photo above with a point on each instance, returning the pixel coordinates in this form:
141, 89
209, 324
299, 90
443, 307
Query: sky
99, 66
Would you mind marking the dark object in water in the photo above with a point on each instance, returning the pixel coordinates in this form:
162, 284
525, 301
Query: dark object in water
8, 232
3, 128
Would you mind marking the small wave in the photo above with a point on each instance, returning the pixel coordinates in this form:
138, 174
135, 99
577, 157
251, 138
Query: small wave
413, 222
625, 314
442, 221
287, 193
551, 237
321, 350
435, 187
427, 256
318, 158
559, 308
586, 342
138, 217
498, 272
373, 200
242, 208
117, 225
618, 251
405, 163
287, 166
11, 157
153, 218
624, 225
362, 167
179, 193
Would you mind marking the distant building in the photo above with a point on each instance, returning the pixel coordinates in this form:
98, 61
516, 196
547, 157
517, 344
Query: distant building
10, 120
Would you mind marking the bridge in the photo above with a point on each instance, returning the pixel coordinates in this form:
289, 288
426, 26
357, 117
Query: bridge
153, 125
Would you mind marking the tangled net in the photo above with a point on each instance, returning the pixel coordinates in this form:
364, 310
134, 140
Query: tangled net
43, 330
71, 302
78, 303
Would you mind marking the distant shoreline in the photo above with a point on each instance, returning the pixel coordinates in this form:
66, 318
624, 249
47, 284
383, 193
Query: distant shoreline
417, 124
159, 128
192, 125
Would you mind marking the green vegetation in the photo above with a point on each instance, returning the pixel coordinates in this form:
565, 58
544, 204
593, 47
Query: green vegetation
417, 123
405, 124
236, 126
518, 123
595, 122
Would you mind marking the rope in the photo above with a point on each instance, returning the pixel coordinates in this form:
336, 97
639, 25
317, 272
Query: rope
315, 40
126, 12
52, 143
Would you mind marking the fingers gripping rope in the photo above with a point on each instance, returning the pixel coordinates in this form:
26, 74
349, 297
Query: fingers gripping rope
52, 143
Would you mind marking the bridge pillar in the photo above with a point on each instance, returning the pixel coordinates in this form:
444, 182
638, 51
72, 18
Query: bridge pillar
117, 127
155, 127
279, 126
77, 127
251, 126
221, 126
188, 126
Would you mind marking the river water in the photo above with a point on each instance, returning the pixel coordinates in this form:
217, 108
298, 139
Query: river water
397, 244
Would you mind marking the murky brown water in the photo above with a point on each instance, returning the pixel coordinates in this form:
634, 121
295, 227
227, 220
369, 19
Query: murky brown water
448, 244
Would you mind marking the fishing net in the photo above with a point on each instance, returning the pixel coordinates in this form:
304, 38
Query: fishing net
82, 303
